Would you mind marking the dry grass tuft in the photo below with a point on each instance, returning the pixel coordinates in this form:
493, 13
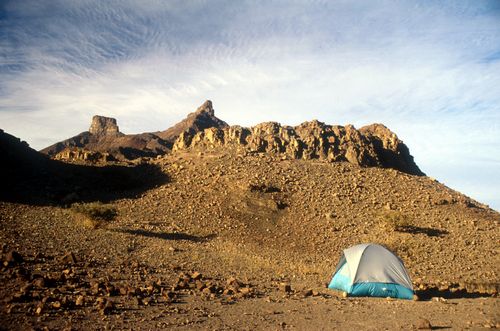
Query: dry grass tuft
94, 214
394, 220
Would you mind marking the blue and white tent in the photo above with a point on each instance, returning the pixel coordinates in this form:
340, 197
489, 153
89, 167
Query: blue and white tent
372, 270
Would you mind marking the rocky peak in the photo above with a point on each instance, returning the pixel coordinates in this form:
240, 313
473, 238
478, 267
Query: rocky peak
103, 126
206, 107
203, 118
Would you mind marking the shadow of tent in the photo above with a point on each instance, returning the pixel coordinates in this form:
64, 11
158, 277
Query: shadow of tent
167, 235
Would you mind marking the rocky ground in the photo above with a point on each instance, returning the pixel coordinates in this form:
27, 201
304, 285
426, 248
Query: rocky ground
245, 241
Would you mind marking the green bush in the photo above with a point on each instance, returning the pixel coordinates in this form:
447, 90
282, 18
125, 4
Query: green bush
395, 220
93, 214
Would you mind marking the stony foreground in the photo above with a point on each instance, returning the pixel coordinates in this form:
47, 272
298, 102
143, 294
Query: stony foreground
248, 241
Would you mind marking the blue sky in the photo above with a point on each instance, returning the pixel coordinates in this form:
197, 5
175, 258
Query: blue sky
429, 70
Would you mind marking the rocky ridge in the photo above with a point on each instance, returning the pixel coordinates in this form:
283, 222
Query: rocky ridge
371, 146
28, 176
105, 137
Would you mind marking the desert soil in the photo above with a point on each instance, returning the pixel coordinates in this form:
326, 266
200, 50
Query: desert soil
249, 242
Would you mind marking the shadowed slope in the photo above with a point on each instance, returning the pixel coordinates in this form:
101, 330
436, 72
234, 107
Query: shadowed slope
31, 177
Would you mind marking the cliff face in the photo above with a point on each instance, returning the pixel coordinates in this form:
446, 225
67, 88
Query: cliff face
371, 146
104, 126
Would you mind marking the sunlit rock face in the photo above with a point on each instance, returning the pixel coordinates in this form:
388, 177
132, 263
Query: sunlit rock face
371, 146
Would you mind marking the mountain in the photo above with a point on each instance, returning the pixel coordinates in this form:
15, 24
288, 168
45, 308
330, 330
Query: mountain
239, 239
373, 145
237, 228
203, 118
104, 136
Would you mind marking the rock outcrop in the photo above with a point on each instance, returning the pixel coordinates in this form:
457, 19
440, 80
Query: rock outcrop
104, 126
203, 118
76, 154
373, 145
105, 137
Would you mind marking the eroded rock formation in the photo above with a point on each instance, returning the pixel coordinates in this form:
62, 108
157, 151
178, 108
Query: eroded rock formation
203, 118
105, 137
104, 126
373, 145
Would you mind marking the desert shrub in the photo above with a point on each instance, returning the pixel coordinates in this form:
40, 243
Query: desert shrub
395, 220
94, 214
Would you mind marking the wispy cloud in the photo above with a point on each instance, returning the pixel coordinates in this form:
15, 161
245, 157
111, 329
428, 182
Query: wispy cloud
429, 70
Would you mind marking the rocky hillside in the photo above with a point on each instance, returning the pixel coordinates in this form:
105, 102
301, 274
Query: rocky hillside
371, 146
246, 241
28, 176
237, 228
105, 137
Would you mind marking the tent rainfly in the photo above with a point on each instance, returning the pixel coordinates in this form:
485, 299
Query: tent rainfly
372, 270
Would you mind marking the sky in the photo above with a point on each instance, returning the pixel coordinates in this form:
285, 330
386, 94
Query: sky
429, 70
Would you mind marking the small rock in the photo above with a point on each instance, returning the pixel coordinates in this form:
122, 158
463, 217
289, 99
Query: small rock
124, 290
108, 307
95, 287
196, 275
208, 290
424, 324
231, 281
100, 302
245, 290
110, 290
307, 293
200, 285
169, 295
26, 288
13, 257
146, 301
68, 258
80, 301
285, 287
39, 282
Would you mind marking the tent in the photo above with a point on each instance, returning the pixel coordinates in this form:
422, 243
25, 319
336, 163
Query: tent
371, 270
